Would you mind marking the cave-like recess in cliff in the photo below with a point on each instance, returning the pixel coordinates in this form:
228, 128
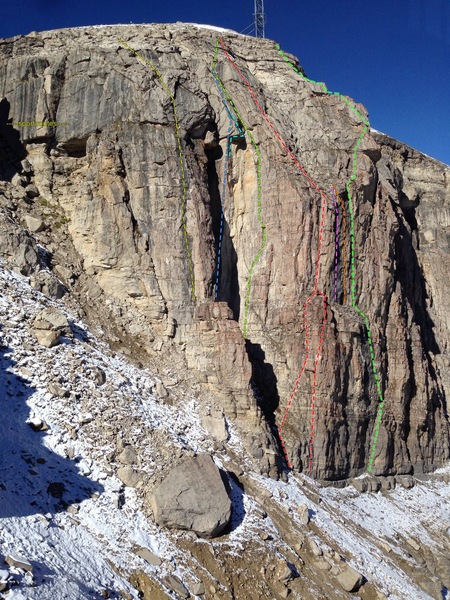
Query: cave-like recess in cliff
228, 284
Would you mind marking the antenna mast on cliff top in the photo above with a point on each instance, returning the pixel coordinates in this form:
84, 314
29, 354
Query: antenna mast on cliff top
260, 19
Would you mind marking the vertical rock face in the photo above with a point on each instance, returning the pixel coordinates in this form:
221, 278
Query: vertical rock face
191, 241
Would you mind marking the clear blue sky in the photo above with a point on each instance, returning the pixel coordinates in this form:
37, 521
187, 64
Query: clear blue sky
391, 55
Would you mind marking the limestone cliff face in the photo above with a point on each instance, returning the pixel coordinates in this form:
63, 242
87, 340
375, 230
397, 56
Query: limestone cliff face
131, 188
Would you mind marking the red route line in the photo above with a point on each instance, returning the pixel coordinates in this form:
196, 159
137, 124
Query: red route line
316, 362
316, 292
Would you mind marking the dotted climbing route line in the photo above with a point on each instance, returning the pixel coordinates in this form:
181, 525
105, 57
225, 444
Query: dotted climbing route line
289, 152
336, 244
352, 250
227, 155
344, 245
380, 394
323, 86
180, 158
224, 189
258, 178
354, 165
313, 398
294, 391
316, 292
360, 312
220, 85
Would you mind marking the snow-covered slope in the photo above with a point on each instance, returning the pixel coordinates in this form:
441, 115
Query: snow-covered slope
70, 542
64, 511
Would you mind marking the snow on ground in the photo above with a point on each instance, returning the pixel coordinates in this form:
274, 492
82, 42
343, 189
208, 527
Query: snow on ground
70, 545
353, 522
213, 27
69, 551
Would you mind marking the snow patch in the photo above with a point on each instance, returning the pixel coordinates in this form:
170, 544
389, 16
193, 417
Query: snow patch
213, 27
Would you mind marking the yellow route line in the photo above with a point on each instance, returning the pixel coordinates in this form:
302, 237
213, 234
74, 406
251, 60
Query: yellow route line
180, 158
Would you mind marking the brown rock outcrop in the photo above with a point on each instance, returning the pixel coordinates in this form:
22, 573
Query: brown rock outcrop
134, 229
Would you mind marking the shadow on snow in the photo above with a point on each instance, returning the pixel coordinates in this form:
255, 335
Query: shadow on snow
33, 478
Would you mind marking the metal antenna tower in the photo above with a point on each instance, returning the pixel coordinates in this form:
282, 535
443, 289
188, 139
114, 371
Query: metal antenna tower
260, 19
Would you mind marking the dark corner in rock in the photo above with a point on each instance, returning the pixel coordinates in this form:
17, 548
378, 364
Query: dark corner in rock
12, 151
227, 285
343, 200
235, 490
34, 479
336, 276
408, 274
408, 208
265, 389
264, 380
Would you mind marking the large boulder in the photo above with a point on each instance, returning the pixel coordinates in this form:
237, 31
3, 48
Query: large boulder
34, 224
48, 338
14, 560
129, 476
52, 319
215, 424
49, 325
350, 580
193, 497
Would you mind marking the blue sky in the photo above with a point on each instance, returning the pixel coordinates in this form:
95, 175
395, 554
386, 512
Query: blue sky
391, 55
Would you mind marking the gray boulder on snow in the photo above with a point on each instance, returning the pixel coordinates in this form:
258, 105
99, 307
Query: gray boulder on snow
129, 476
303, 514
350, 580
128, 456
193, 497
148, 556
177, 586
49, 324
52, 318
47, 338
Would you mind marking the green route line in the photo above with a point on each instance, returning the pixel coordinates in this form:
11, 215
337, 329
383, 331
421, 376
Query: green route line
352, 249
180, 158
258, 177
323, 86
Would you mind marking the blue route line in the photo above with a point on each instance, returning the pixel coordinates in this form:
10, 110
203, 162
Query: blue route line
224, 187
230, 115
230, 138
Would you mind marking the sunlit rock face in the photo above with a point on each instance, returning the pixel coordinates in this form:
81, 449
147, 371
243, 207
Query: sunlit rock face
330, 302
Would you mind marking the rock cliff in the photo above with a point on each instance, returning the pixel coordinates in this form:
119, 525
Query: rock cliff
230, 221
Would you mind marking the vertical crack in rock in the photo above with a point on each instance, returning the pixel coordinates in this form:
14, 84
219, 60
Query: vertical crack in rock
214, 153
120, 170
228, 276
